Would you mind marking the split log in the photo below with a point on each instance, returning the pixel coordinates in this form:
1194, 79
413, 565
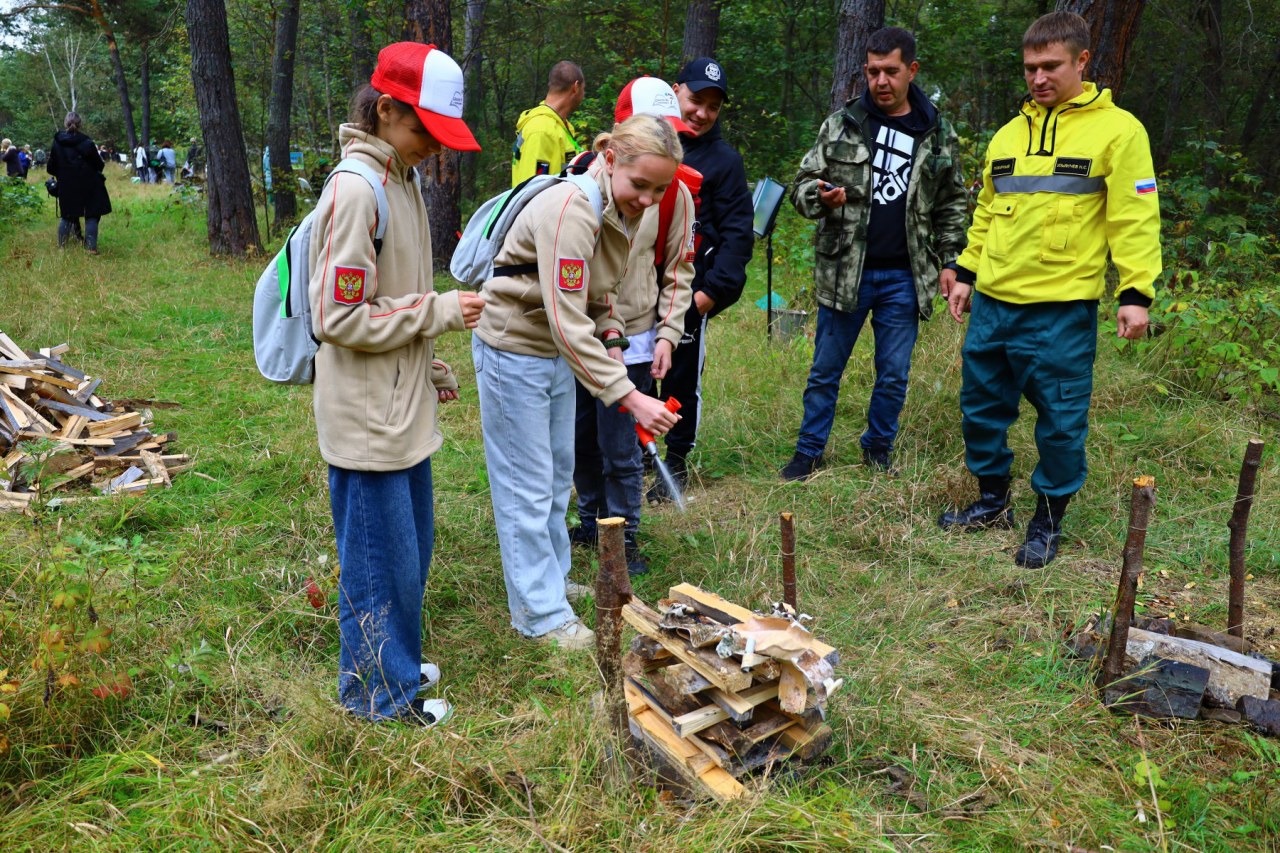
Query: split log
787, 523
711, 666
728, 613
1239, 526
1232, 676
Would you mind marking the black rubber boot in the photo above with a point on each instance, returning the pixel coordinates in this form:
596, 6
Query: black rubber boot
991, 509
801, 467
1043, 532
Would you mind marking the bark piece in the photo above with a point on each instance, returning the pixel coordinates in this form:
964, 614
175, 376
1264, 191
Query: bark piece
1160, 688
1231, 675
1262, 714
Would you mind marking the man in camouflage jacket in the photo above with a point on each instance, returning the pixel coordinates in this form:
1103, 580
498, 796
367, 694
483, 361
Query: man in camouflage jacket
884, 182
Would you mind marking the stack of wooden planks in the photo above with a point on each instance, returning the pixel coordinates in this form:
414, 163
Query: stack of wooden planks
716, 691
87, 440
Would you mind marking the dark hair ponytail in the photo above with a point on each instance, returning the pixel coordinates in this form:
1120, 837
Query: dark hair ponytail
364, 109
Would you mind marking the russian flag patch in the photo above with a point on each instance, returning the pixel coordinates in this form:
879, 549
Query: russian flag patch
1145, 186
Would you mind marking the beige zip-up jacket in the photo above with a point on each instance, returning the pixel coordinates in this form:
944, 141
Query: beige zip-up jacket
375, 315
567, 304
640, 303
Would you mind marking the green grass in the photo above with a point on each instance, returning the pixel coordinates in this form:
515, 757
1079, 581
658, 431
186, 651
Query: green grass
950, 653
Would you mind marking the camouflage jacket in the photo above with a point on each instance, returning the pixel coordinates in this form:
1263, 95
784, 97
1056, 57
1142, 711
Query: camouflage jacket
936, 206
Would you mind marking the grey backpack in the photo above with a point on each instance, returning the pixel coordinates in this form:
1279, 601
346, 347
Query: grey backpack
481, 240
284, 342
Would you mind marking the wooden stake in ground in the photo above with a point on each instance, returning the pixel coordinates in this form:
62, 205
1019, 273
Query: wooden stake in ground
787, 521
1239, 525
1140, 505
613, 589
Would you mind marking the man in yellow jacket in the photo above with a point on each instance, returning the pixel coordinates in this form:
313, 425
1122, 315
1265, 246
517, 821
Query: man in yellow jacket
1065, 182
545, 140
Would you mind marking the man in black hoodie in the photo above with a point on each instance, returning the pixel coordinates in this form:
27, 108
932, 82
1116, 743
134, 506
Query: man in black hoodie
885, 184
723, 243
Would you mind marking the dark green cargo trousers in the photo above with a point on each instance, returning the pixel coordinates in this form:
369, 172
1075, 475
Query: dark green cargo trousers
1043, 352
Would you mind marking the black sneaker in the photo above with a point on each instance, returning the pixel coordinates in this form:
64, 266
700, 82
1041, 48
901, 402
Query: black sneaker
636, 563
801, 467
583, 535
878, 459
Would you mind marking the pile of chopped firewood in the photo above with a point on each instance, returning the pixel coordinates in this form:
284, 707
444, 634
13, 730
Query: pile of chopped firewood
87, 441
716, 691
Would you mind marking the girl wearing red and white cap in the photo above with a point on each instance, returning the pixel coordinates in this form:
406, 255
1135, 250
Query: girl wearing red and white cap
376, 380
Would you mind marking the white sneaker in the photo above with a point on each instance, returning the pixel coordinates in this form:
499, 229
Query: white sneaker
572, 636
429, 675
427, 712
576, 592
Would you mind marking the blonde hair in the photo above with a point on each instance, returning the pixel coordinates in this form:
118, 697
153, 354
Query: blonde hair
640, 135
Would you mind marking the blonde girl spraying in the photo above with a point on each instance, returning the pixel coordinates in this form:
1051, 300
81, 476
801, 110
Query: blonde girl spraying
541, 330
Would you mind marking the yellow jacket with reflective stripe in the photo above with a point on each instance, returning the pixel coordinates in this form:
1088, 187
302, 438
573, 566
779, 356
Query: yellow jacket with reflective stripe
1061, 187
544, 143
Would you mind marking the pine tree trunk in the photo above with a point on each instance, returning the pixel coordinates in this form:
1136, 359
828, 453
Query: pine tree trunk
279, 109
233, 227
430, 21
473, 74
144, 73
857, 20
701, 29
1113, 26
117, 67
362, 55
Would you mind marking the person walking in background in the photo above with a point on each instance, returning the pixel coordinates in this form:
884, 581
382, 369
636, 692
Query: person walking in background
545, 139
12, 162
140, 163
884, 183
724, 243
168, 161
553, 282
24, 161
1066, 182
377, 383
195, 158
82, 189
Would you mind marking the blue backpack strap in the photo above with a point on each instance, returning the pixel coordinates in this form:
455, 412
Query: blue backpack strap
355, 167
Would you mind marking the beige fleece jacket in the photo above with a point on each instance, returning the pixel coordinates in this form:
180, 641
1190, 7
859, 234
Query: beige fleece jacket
564, 307
640, 303
375, 315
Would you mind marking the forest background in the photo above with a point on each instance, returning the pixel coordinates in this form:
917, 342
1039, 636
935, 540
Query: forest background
206, 721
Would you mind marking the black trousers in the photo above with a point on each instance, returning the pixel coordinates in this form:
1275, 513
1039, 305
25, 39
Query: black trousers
684, 382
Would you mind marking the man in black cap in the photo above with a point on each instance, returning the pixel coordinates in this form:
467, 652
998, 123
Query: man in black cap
722, 244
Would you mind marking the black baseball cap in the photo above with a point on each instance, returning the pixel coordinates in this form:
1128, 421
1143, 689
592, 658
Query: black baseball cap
703, 73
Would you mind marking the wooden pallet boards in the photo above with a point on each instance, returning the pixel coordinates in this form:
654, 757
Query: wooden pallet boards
43, 397
710, 720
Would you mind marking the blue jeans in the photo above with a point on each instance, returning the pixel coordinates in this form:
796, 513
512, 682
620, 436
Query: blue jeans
889, 296
526, 420
608, 469
385, 525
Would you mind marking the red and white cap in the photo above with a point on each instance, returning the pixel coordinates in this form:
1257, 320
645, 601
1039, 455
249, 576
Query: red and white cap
430, 81
650, 96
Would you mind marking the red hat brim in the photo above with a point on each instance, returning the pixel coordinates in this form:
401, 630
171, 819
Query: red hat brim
449, 132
